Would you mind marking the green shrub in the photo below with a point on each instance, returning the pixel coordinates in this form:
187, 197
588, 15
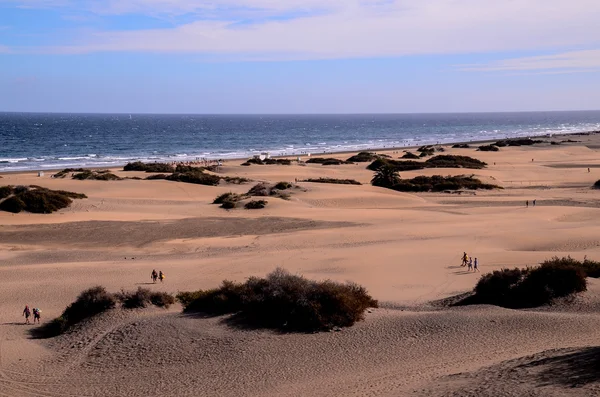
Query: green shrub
66, 171
196, 177
410, 156
517, 142
327, 161
260, 189
285, 302
12, 204
363, 157
143, 297
460, 146
450, 161
188, 168
149, 167
6, 191
333, 180
256, 204
400, 166
257, 161
531, 287
38, 200
96, 175
437, 183
227, 197
283, 185
186, 297
236, 180
488, 148
156, 177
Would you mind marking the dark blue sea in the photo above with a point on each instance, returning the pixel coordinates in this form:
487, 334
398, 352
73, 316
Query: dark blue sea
30, 141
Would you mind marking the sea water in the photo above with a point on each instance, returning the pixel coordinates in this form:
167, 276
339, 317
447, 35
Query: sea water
36, 141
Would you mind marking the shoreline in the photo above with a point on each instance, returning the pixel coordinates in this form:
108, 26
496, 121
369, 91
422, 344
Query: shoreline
332, 153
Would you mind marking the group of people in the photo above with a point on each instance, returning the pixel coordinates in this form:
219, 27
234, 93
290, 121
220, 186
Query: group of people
198, 162
527, 203
470, 263
37, 314
157, 276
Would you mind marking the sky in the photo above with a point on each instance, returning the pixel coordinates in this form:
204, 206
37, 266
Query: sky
299, 56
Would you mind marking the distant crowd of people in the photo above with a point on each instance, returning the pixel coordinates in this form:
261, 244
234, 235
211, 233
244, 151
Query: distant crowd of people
470, 263
198, 162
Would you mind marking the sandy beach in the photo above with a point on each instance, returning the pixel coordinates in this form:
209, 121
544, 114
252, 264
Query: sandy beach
405, 248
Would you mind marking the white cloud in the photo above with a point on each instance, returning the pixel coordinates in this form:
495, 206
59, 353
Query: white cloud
347, 28
566, 62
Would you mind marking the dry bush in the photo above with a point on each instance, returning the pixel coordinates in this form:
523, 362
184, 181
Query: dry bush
228, 200
96, 176
255, 204
488, 148
156, 177
363, 157
410, 156
149, 167
597, 184
38, 200
283, 185
6, 191
197, 177
333, 180
285, 302
143, 297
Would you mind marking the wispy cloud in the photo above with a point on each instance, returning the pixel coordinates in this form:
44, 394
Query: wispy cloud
566, 62
326, 29
4, 49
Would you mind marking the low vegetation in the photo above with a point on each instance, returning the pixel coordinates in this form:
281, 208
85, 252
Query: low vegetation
533, 287
143, 297
333, 180
156, 177
488, 148
596, 185
436, 183
410, 156
363, 157
35, 199
149, 167
440, 161
62, 174
283, 185
96, 176
97, 300
518, 142
197, 177
256, 204
228, 200
236, 180
327, 161
284, 302
265, 190
270, 161
461, 146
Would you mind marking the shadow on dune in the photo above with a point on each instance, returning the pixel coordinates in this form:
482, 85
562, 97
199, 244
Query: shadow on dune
574, 369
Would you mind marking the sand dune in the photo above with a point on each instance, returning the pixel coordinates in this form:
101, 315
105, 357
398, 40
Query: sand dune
404, 248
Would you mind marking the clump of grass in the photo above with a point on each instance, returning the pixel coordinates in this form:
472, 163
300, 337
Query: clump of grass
284, 302
488, 148
37, 200
518, 142
156, 177
407, 165
363, 157
450, 161
143, 297
228, 200
257, 161
283, 185
327, 161
96, 175
333, 180
6, 191
188, 168
426, 150
62, 174
149, 167
256, 204
461, 146
530, 287
597, 184
410, 156
196, 177
438, 183
97, 300
236, 180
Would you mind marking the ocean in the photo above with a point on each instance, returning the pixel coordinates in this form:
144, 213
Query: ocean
36, 141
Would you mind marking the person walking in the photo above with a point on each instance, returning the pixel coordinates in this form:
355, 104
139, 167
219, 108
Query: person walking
161, 276
465, 259
534, 203
154, 276
27, 314
527, 203
470, 264
475, 266
37, 315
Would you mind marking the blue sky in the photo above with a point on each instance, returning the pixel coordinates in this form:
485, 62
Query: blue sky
299, 56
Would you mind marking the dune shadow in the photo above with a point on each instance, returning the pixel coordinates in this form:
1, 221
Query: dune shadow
15, 323
145, 283
573, 369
